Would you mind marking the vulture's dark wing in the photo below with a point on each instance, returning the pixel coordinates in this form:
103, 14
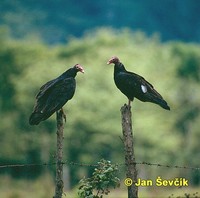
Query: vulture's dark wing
134, 85
142, 85
52, 97
46, 87
60, 93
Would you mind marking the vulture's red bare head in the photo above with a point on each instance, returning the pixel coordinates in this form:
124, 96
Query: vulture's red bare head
78, 67
114, 60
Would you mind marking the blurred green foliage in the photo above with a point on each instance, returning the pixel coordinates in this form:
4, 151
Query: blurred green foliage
93, 116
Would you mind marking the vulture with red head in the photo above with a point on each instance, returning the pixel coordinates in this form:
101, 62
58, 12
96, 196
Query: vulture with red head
133, 85
54, 94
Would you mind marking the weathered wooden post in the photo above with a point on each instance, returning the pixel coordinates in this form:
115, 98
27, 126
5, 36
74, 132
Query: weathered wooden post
59, 155
130, 162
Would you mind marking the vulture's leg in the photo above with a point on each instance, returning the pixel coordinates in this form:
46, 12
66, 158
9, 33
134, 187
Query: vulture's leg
129, 103
63, 113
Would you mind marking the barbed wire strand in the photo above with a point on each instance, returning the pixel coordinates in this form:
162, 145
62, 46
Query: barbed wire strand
96, 165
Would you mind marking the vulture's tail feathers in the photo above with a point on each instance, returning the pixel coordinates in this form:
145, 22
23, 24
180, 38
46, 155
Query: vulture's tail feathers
161, 102
35, 118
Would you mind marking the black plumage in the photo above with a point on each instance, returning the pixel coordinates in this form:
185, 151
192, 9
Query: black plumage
54, 94
135, 86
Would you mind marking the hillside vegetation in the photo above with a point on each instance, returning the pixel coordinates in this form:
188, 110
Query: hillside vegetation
56, 21
93, 123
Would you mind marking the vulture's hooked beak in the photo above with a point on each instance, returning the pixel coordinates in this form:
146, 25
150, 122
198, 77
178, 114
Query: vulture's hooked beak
82, 71
109, 62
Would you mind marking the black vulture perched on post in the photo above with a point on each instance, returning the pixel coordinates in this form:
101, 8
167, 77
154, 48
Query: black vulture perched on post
54, 94
135, 86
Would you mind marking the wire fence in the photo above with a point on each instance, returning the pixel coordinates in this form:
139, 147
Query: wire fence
95, 165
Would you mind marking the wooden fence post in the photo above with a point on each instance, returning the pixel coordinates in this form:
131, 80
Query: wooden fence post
131, 171
59, 155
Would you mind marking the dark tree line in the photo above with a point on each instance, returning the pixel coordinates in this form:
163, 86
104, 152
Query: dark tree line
55, 21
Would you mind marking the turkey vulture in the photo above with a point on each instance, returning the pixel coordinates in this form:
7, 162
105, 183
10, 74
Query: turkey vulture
54, 94
135, 86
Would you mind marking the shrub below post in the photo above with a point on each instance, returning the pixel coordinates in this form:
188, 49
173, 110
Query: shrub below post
59, 155
131, 171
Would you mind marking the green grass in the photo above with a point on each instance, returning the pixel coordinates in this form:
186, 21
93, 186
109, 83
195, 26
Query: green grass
43, 187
